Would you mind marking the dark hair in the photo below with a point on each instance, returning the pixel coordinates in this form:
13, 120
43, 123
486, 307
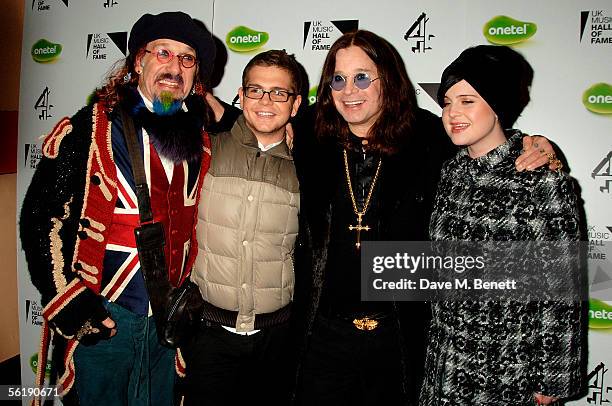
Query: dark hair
280, 59
500, 75
398, 99
121, 77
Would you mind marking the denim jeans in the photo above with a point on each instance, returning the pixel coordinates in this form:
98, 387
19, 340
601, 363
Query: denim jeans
131, 368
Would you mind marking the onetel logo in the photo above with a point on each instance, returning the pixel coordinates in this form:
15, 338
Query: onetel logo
312, 95
44, 51
504, 30
600, 314
244, 39
34, 365
598, 98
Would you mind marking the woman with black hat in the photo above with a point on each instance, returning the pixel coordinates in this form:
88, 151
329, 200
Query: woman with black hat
499, 352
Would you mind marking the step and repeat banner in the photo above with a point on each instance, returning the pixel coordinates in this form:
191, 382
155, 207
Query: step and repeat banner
69, 46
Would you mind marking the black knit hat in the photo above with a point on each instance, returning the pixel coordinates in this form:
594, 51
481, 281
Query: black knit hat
499, 74
177, 26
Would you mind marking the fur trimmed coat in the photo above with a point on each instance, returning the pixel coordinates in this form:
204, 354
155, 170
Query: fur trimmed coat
64, 226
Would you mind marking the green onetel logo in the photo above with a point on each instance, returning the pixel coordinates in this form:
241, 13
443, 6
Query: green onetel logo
598, 98
34, 365
504, 30
600, 314
312, 95
44, 51
244, 39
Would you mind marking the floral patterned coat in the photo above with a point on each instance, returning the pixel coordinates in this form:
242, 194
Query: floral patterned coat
501, 352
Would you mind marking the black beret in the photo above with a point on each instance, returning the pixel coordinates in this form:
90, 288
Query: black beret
177, 26
499, 74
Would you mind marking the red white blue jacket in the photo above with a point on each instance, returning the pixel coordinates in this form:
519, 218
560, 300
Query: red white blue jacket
68, 226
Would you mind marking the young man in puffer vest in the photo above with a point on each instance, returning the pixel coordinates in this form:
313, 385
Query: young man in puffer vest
247, 227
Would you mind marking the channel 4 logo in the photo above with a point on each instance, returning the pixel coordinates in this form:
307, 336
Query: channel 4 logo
603, 173
419, 33
43, 105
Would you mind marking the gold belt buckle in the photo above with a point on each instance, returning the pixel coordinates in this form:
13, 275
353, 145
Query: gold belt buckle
365, 324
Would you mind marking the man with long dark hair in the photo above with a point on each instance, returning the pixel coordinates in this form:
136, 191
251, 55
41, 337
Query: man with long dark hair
378, 158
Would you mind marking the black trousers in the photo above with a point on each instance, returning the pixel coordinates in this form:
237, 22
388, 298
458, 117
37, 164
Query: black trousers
224, 368
347, 366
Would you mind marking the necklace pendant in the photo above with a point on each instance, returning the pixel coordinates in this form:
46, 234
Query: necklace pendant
357, 228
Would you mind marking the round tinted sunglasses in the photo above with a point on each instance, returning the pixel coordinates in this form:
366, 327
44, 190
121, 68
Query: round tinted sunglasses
361, 80
164, 56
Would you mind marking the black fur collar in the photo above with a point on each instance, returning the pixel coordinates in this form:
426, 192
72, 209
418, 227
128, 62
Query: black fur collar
176, 137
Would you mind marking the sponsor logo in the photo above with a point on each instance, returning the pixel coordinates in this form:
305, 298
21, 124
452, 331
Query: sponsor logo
319, 35
598, 98
598, 386
600, 314
599, 239
419, 34
603, 173
244, 39
600, 273
312, 95
45, 5
44, 51
431, 89
236, 101
32, 156
600, 234
97, 44
43, 106
597, 25
27, 306
110, 3
34, 365
504, 30
34, 313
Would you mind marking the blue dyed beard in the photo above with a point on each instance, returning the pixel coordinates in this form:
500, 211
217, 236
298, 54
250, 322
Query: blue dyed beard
165, 105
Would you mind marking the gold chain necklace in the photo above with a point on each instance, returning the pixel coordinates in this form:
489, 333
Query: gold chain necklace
360, 213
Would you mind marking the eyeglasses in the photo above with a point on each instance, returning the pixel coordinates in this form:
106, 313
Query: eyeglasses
165, 56
275, 95
361, 80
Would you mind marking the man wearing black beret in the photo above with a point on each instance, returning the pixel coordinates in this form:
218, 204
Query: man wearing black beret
81, 210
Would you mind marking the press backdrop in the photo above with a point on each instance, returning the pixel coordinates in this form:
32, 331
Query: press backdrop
69, 45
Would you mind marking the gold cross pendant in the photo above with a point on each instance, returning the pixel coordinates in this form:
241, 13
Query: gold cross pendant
358, 229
